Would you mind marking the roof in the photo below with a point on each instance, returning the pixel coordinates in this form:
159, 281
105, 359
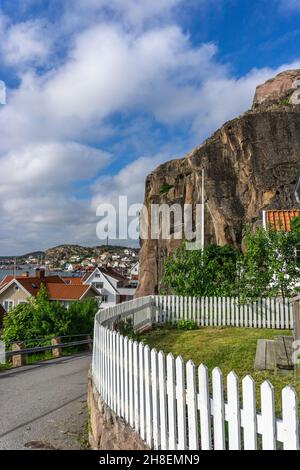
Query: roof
281, 220
112, 273
33, 284
74, 280
6, 280
68, 291
57, 288
107, 271
87, 275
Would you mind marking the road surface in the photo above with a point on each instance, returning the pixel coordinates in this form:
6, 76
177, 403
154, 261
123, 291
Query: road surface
44, 405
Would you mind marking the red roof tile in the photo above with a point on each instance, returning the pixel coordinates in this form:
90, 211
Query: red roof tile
66, 291
6, 280
74, 280
281, 220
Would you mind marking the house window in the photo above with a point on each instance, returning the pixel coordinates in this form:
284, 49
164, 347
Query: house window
104, 298
97, 275
98, 285
8, 305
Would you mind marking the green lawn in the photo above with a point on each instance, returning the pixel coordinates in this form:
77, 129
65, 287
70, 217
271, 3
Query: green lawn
226, 348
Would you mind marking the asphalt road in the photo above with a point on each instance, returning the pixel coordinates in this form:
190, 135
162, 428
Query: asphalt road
44, 405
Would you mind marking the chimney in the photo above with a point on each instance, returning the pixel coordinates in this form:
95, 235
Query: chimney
40, 273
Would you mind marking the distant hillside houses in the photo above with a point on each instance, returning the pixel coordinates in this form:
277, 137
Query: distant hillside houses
122, 260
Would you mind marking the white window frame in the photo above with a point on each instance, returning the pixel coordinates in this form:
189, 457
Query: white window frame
10, 301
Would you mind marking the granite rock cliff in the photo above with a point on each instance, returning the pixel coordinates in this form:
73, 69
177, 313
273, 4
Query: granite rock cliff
251, 163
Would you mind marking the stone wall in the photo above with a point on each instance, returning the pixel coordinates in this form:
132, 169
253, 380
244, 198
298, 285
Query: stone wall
106, 430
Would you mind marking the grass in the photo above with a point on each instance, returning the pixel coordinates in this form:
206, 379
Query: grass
226, 348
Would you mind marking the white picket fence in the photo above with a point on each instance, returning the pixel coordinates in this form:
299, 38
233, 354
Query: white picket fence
176, 406
267, 312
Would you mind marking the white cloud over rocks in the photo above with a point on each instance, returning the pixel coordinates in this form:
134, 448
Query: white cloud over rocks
56, 121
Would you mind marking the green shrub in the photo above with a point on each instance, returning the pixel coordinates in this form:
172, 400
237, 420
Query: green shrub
125, 328
186, 325
40, 318
165, 188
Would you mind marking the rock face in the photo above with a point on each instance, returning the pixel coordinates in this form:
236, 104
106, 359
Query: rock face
284, 89
251, 163
106, 430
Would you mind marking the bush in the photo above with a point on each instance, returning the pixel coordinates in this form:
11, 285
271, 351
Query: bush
186, 325
125, 328
40, 318
197, 273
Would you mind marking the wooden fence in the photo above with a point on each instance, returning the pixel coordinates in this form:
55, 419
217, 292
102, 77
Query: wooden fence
177, 406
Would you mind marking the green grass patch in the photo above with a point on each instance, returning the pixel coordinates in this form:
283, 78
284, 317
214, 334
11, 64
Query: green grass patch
226, 348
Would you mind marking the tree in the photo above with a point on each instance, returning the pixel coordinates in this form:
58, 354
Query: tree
40, 318
269, 266
212, 271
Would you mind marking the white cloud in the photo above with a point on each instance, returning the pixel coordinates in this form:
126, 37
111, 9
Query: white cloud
25, 43
131, 13
115, 67
39, 188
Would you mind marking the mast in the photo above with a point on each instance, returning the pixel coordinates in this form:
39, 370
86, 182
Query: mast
202, 212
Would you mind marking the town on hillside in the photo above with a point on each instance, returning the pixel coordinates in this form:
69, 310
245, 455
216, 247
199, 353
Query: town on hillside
74, 259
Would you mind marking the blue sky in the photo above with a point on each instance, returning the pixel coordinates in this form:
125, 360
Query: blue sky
101, 92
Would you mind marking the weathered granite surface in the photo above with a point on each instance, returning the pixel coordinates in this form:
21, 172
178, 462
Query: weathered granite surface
106, 430
251, 163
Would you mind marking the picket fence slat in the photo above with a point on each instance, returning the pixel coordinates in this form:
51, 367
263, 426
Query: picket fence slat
171, 402
191, 398
148, 396
162, 399
218, 409
141, 385
233, 406
268, 424
181, 403
204, 407
155, 398
290, 423
136, 391
173, 405
125, 380
131, 383
249, 414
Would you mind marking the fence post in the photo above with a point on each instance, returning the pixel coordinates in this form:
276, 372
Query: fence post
56, 352
18, 360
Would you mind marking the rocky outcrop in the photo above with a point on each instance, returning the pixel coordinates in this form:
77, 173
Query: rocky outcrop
251, 163
283, 90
